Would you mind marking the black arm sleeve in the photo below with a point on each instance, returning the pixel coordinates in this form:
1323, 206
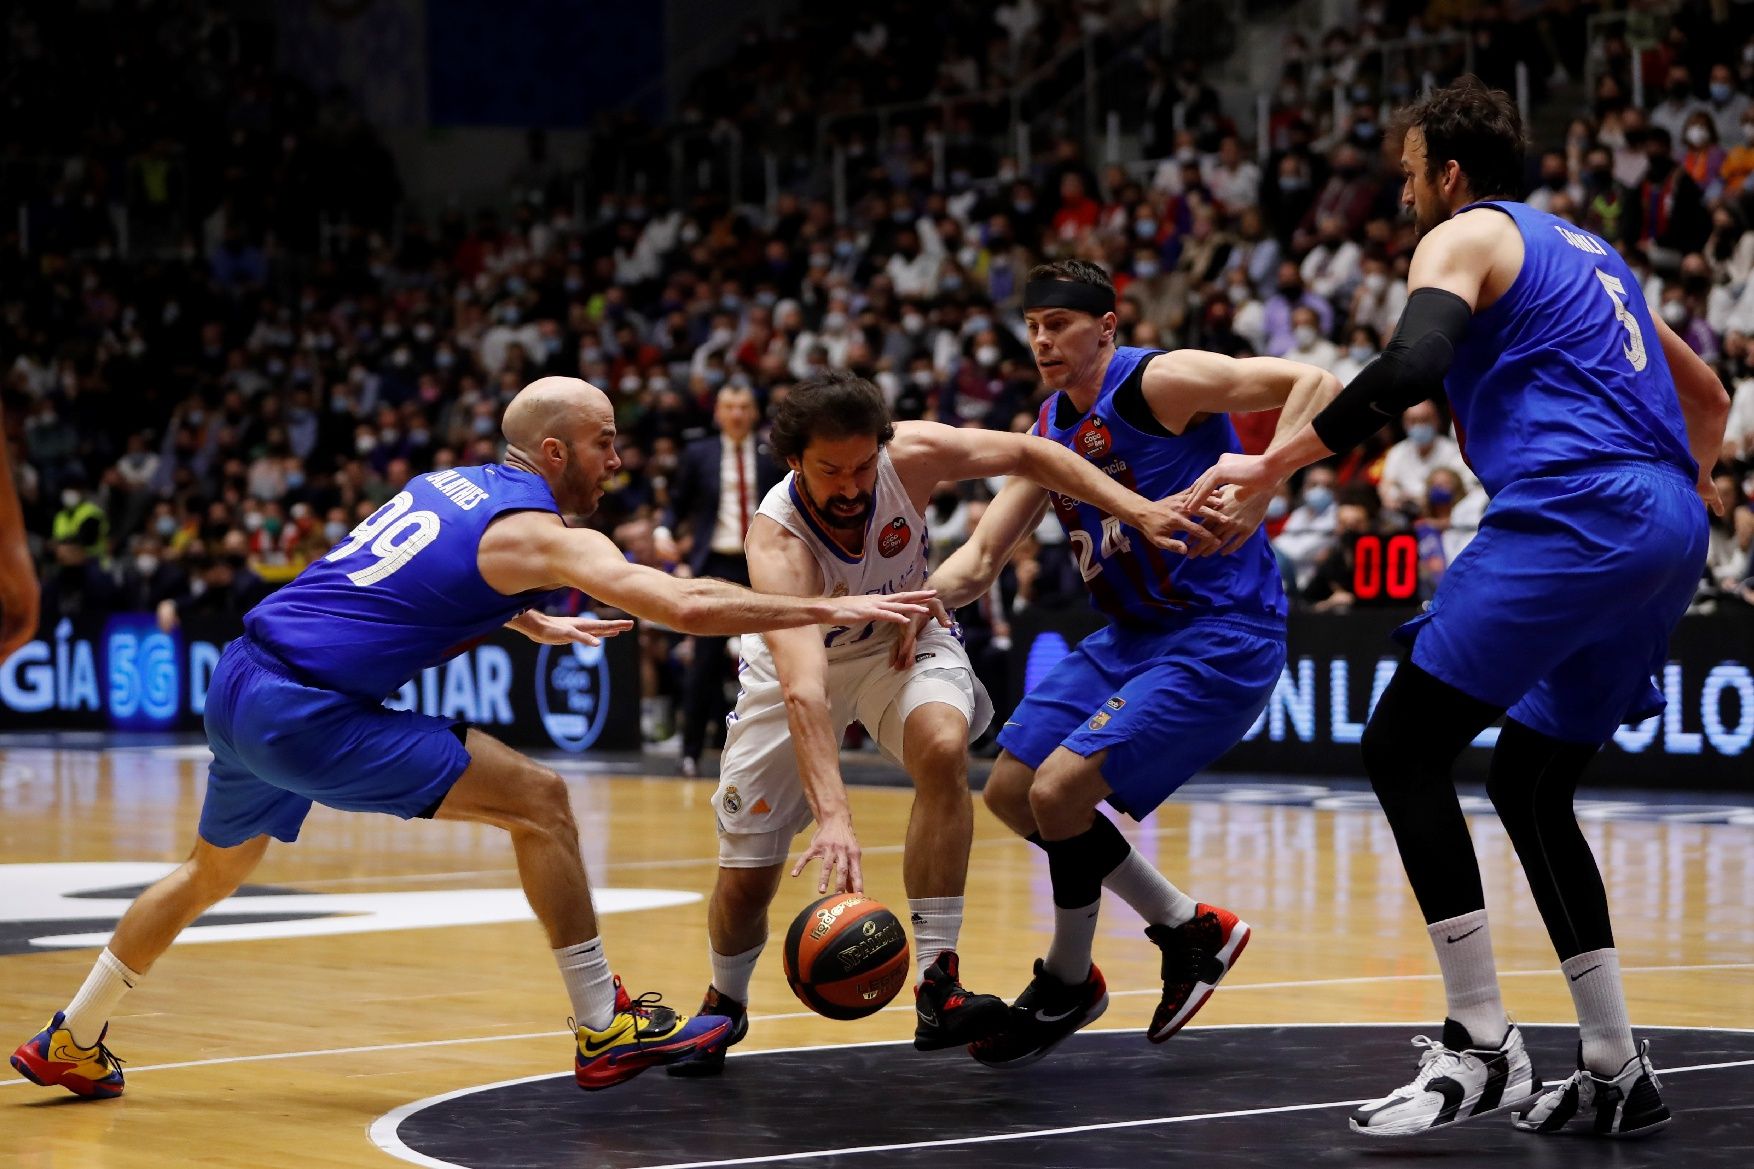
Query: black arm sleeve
1407, 372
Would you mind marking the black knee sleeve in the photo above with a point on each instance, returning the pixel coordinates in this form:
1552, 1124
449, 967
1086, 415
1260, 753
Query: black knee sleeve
1533, 785
1077, 866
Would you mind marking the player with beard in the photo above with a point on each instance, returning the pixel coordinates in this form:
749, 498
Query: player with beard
849, 519
295, 715
1594, 428
1192, 653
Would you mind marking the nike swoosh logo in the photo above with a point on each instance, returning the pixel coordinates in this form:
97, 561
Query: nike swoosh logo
1469, 934
1575, 977
1044, 1017
590, 1049
1012, 724
64, 1054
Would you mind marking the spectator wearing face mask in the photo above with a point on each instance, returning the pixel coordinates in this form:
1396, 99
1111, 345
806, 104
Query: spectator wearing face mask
1307, 343
1729, 252
1410, 462
1703, 157
1681, 314
1362, 346
1349, 194
1379, 298
1291, 295
1333, 268
1610, 209
1726, 103
1678, 104
150, 575
1739, 428
1727, 560
1330, 584
1555, 179
1151, 288
1441, 538
1310, 526
1672, 206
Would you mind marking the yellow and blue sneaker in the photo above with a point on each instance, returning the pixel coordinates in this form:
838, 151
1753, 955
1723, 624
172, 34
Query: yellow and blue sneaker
642, 1034
53, 1059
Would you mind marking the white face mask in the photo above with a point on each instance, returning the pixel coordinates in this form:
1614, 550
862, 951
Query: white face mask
987, 355
1305, 334
1376, 281
1675, 313
1698, 136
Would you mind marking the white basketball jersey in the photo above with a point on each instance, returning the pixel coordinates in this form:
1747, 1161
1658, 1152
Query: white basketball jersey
894, 560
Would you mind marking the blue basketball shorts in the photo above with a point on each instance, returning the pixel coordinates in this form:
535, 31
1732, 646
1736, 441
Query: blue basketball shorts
1163, 704
1561, 608
279, 746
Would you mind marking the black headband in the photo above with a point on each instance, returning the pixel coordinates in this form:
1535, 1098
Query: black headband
1086, 298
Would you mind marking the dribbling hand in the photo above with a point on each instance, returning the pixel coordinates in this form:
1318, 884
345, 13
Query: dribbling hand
838, 849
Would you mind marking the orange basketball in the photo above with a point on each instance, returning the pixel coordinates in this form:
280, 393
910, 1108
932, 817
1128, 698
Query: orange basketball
846, 956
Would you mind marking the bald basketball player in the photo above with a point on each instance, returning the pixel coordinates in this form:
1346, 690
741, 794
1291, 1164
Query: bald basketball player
295, 715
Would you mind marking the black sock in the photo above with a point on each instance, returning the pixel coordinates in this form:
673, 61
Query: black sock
1418, 728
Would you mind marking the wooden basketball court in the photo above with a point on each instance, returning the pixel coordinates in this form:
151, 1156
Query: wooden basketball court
286, 1050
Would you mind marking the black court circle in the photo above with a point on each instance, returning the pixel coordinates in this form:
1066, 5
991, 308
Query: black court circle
1224, 1096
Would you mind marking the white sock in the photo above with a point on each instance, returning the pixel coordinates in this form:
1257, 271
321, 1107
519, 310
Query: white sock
1594, 978
937, 921
731, 974
1137, 882
97, 1000
589, 984
1068, 957
1470, 979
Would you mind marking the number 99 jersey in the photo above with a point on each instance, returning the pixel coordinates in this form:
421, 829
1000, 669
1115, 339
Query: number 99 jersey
403, 591
1566, 368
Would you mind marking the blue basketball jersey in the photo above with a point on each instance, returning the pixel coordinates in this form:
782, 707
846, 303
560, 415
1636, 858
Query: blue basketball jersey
1130, 579
403, 591
1566, 368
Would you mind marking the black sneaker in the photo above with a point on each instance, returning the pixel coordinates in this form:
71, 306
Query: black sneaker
1196, 957
948, 1015
710, 1060
1044, 1015
1626, 1104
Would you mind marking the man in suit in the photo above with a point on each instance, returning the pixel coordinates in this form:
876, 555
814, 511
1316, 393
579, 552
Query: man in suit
720, 482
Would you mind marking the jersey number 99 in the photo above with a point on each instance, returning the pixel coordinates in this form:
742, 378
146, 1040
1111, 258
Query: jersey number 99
395, 535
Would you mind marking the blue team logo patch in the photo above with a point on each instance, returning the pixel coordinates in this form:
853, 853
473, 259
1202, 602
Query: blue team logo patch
572, 694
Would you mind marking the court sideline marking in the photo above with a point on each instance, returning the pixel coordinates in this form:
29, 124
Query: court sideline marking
384, 1131
266, 1057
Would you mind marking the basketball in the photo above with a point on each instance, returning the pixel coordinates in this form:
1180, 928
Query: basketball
846, 956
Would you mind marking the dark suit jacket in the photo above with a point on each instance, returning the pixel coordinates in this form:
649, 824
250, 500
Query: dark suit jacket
694, 500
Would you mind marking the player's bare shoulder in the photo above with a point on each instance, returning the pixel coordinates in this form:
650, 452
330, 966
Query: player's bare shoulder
521, 550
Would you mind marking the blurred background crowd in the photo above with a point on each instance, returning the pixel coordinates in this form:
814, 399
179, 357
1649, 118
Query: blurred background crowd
226, 335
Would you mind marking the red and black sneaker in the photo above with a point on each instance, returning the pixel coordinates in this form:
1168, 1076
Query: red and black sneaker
1046, 1014
948, 1014
709, 1060
1196, 957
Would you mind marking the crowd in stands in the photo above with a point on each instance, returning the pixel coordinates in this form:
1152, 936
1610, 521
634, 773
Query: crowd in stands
195, 420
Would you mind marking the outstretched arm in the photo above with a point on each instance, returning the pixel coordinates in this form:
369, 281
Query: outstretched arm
534, 550
779, 562
1449, 269
926, 453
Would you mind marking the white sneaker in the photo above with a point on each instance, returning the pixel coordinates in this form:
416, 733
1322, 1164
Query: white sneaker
1457, 1081
1627, 1104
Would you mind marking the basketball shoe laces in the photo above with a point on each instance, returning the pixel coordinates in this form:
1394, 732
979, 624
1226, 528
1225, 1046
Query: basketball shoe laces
647, 1008
1436, 1060
1185, 958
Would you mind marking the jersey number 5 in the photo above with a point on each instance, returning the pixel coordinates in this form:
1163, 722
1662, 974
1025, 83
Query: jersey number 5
395, 535
1113, 540
1634, 349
